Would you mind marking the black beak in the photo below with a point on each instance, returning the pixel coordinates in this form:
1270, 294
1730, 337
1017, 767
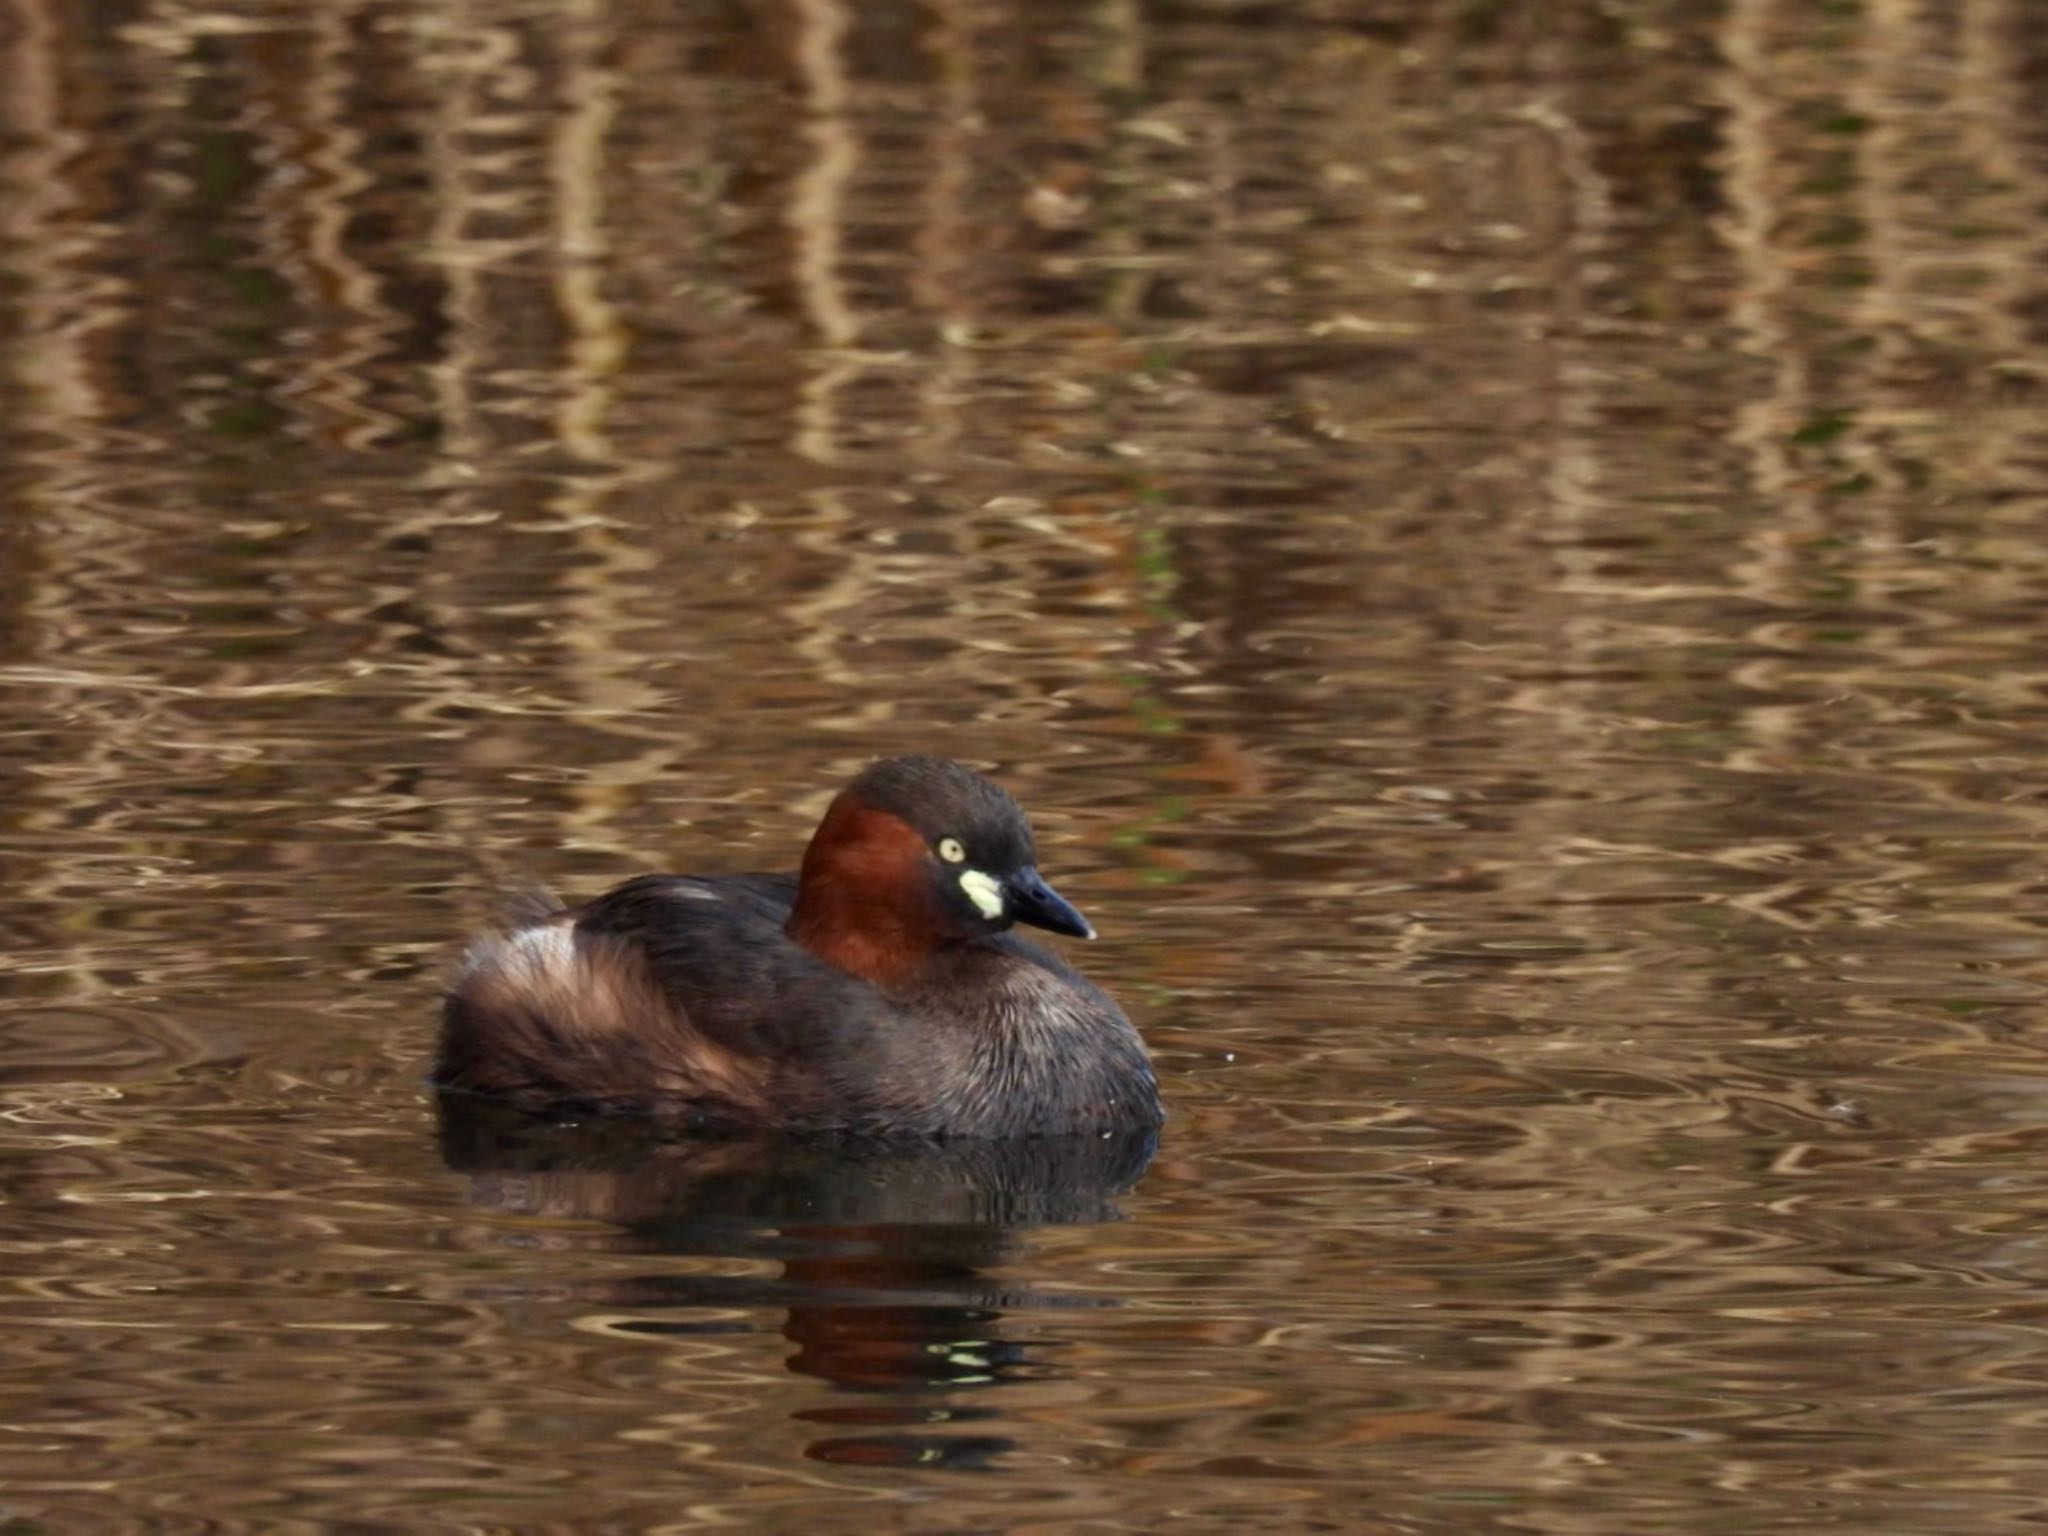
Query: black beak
1032, 901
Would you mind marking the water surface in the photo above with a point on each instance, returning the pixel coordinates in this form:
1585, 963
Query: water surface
1502, 545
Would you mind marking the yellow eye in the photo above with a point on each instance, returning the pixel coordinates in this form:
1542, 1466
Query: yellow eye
951, 851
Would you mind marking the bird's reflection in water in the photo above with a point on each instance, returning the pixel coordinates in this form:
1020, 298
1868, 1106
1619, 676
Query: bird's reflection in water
883, 1247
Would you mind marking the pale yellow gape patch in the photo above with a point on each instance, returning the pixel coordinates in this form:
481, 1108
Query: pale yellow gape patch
984, 892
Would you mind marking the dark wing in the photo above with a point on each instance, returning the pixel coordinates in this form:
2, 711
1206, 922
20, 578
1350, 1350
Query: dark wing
716, 948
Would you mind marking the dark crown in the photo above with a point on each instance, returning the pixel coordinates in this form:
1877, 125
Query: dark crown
940, 798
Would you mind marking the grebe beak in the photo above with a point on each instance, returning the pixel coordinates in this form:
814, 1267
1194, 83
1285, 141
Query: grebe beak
1031, 900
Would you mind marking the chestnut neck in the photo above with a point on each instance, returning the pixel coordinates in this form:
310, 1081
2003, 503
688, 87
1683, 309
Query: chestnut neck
862, 903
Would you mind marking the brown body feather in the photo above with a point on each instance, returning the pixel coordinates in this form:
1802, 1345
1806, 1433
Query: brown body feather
548, 1016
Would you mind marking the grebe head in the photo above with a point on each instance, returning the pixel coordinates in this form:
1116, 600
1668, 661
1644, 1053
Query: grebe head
915, 853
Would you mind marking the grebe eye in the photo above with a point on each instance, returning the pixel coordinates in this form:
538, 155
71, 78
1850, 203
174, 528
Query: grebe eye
951, 851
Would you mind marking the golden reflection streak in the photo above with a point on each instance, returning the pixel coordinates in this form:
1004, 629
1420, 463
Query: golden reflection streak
1761, 290
1764, 309
1894, 310
575, 166
944, 244
1886, 310
1928, 94
1564, 718
1998, 98
457, 58
1894, 200
465, 59
65, 308
271, 115
605, 669
827, 621
51, 359
474, 149
339, 286
816, 215
1937, 102
472, 69
1991, 83
1119, 71
1573, 473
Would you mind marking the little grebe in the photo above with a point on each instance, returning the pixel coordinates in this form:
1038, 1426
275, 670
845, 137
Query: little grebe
879, 990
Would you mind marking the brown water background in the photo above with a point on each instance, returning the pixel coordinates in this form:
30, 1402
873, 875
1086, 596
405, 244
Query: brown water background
1503, 544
